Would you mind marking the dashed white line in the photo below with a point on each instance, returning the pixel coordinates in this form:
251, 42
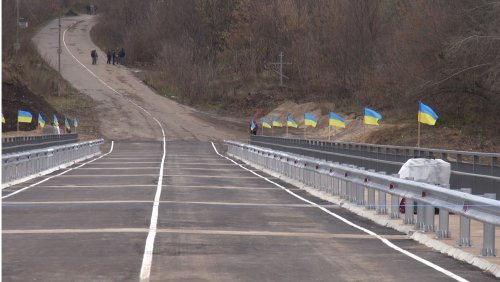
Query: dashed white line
381, 238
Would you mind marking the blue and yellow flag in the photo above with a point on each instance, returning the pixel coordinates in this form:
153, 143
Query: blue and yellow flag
426, 114
75, 122
371, 116
66, 123
276, 122
266, 123
310, 120
335, 120
23, 116
56, 122
290, 122
41, 121
3, 118
252, 125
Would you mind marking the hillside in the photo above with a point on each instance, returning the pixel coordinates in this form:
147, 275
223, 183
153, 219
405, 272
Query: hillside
343, 55
28, 83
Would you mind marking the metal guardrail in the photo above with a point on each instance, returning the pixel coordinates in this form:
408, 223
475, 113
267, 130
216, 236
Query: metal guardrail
25, 143
469, 169
20, 165
359, 186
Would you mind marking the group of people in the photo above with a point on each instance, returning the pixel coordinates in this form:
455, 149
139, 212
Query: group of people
114, 56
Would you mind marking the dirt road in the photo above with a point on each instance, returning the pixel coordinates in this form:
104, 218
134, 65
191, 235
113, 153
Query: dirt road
119, 95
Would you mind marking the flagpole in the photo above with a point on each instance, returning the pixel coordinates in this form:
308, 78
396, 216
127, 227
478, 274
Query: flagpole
18, 123
418, 131
287, 127
329, 133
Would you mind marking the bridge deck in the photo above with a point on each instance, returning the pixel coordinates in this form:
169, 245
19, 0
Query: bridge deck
216, 222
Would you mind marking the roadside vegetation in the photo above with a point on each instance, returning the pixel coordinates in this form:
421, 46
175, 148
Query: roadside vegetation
28, 82
387, 54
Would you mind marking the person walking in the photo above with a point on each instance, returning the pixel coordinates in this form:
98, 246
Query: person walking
121, 54
93, 54
113, 56
108, 55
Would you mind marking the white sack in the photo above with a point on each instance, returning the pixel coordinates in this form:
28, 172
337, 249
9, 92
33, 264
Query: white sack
427, 170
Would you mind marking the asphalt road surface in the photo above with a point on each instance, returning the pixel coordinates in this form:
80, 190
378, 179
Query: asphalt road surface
164, 205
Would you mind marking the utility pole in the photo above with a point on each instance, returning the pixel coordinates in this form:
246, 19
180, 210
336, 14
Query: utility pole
59, 51
17, 45
278, 68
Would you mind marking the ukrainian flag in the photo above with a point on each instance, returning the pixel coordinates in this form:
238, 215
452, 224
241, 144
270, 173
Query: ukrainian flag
23, 116
277, 122
3, 118
252, 124
290, 122
335, 120
371, 116
426, 114
75, 122
310, 120
266, 123
56, 122
66, 123
41, 121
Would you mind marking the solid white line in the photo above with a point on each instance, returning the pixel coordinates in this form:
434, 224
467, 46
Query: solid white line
239, 204
384, 240
98, 186
48, 178
204, 232
148, 250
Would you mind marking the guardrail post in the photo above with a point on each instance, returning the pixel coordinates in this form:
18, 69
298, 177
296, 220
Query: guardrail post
488, 249
351, 188
343, 186
464, 239
420, 215
360, 192
444, 223
429, 225
409, 210
381, 207
371, 196
394, 201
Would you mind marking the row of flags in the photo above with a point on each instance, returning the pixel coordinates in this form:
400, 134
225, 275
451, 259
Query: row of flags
425, 115
26, 117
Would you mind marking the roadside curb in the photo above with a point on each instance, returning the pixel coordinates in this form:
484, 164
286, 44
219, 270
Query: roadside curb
412, 233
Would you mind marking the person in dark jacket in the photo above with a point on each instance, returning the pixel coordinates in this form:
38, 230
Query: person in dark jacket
93, 54
108, 55
121, 54
113, 57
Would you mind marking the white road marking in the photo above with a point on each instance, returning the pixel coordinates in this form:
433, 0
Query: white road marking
21, 203
166, 175
122, 163
148, 250
222, 187
166, 168
99, 186
206, 232
375, 235
50, 177
107, 175
121, 168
